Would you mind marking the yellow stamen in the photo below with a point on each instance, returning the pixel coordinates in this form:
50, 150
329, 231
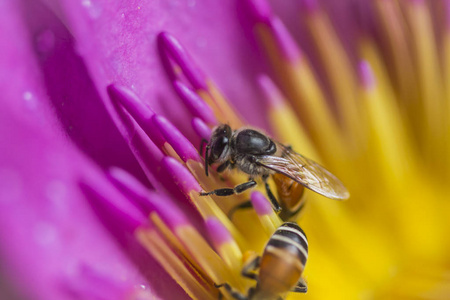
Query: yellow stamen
231, 255
394, 28
181, 272
304, 91
270, 223
399, 171
209, 261
338, 68
220, 106
208, 208
429, 76
168, 149
446, 70
389, 146
289, 130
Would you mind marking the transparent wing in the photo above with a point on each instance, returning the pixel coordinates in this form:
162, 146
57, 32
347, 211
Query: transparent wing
306, 172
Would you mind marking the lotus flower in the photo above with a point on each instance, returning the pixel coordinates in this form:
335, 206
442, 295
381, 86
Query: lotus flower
103, 111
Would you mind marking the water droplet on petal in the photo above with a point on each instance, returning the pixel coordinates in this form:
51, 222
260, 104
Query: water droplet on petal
93, 7
142, 292
30, 100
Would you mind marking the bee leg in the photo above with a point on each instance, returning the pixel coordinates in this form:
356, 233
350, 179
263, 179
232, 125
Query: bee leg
249, 269
301, 287
251, 292
206, 160
243, 205
231, 191
275, 204
235, 294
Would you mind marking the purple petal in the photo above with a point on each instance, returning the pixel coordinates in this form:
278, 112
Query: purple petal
118, 43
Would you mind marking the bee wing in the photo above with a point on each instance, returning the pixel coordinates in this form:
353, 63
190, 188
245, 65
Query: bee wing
306, 172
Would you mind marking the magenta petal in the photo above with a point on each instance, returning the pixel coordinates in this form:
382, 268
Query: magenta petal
46, 225
52, 129
118, 42
73, 96
89, 283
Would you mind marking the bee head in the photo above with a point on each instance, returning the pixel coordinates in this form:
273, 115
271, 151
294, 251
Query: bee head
220, 144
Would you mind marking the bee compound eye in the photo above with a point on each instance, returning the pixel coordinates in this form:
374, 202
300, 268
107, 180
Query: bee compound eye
219, 147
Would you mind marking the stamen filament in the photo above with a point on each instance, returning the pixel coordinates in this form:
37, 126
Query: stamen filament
284, 122
394, 28
225, 245
181, 272
221, 107
302, 87
267, 216
208, 208
390, 145
205, 256
338, 68
430, 84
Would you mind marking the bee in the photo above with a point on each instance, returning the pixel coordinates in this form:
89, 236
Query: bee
280, 266
254, 153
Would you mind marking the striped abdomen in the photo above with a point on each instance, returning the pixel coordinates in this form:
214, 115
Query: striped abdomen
283, 261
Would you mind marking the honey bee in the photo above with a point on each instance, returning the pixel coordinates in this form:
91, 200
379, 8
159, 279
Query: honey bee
280, 266
256, 154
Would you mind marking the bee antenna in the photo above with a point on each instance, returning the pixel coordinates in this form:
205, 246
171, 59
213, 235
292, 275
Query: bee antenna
202, 144
206, 160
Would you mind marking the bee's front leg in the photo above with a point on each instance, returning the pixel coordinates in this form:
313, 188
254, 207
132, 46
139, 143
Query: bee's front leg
231, 191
